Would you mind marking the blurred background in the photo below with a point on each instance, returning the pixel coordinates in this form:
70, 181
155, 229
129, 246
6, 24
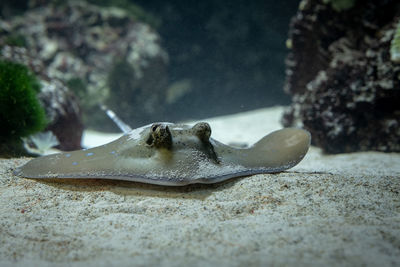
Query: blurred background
156, 60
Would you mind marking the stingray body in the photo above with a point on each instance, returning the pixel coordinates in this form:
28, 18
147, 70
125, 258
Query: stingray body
173, 154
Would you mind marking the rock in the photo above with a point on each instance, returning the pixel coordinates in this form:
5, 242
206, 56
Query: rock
64, 112
82, 44
344, 87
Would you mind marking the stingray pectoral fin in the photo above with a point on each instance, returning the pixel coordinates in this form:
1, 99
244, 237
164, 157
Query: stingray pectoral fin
278, 151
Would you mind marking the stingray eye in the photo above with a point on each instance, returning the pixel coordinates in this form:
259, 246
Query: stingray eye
154, 127
202, 130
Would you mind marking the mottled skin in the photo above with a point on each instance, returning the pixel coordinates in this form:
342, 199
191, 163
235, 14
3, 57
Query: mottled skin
173, 154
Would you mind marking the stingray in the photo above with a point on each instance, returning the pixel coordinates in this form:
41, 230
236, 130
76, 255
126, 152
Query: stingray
174, 155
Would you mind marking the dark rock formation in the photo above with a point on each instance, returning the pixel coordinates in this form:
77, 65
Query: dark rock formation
344, 87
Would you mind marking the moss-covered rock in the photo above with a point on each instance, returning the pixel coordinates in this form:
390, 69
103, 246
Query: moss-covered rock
61, 106
20, 111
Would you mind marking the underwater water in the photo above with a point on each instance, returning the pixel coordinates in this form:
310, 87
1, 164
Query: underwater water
229, 54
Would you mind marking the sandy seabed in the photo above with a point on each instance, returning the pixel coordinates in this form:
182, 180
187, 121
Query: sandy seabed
330, 210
